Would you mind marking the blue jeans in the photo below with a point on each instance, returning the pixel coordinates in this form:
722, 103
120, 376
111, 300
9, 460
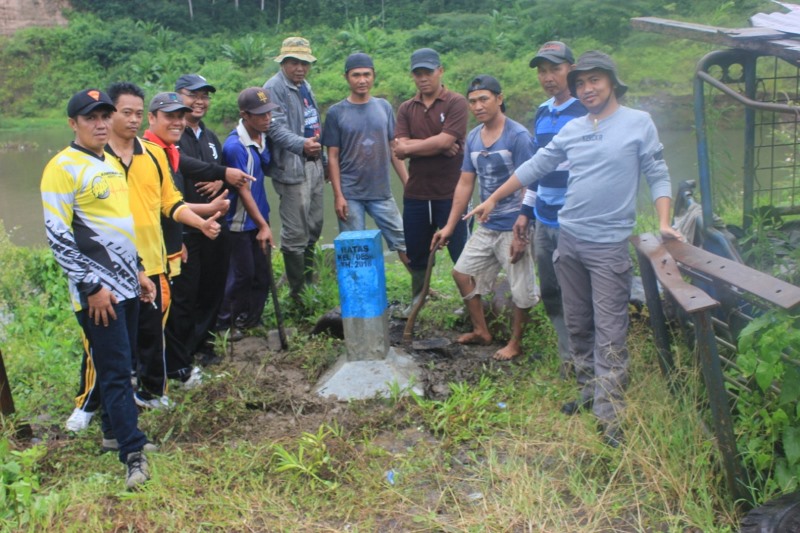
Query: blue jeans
421, 219
384, 213
110, 348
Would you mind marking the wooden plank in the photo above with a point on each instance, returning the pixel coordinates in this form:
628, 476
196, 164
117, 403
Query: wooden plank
765, 41
691, 30
764, 286
690, 298
685, 30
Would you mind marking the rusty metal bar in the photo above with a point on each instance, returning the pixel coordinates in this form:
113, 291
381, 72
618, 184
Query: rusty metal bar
6, 401
657, 319
775, 291
720, 409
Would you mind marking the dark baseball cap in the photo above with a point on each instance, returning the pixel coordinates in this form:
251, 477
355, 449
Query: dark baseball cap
256, 100
596, 60
555, 52
85, 101
358, 60
425, 58
193, 82
484, 82
167, 102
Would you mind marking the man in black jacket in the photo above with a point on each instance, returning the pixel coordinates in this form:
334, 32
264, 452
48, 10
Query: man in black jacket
197, 292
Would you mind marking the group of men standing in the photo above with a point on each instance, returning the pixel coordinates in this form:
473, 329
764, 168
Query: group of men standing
154, 267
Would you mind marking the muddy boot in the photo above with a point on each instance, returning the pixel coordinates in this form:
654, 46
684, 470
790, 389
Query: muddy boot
293, 263
417, 282
308, 264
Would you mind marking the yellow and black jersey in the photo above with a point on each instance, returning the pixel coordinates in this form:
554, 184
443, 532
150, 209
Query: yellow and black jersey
89, 225
152, 193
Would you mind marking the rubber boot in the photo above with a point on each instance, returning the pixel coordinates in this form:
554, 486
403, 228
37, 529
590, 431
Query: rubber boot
417, 283
308, 264
294, 265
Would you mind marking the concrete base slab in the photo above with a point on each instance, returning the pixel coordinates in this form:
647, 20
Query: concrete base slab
359, 380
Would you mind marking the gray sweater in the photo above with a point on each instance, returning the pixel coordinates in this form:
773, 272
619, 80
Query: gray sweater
606, 159
286, 131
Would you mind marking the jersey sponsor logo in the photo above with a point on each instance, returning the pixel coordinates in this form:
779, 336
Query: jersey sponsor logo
593, 137
100, 188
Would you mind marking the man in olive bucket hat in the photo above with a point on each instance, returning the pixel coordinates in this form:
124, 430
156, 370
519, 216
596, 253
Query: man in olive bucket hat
296, 168
607, 150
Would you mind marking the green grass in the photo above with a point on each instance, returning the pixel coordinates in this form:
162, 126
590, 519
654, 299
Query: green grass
237, 455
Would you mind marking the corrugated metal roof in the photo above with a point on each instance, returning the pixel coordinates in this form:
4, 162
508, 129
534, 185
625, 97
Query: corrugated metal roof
785, 22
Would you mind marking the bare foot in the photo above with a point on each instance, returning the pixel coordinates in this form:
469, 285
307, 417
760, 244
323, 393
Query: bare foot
506, 354
474, 338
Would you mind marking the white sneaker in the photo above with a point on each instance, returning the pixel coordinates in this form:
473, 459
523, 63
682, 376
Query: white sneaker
161, 402
79, 420
194, 380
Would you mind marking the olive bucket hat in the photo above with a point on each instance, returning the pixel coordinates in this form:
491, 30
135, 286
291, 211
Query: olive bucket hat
592, 60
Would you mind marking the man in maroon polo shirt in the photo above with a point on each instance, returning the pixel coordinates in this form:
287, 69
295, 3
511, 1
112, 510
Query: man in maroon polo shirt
430, 133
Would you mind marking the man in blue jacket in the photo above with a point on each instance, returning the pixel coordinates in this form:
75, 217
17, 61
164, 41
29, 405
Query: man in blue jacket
251, 238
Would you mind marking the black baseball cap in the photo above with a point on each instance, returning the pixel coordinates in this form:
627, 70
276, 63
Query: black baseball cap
425, 58
193, 82
167, 102
85, 101
554, 52
484, 82
256, 100
594, 59
358, 60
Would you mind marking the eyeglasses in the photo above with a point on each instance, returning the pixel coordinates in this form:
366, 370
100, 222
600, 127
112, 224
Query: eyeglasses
197, 96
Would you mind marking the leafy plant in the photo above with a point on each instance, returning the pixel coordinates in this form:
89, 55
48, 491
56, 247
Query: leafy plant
20, 501
312, 461
245, 52
469, 413
768, 415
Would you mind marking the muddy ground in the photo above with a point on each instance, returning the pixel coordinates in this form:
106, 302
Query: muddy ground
284, 401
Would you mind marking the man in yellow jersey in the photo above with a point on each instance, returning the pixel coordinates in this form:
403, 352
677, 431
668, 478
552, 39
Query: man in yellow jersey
90, 231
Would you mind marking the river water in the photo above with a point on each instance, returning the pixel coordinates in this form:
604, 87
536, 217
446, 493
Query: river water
24, 154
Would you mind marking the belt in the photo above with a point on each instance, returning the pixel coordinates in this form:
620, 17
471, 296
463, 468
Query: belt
312, 159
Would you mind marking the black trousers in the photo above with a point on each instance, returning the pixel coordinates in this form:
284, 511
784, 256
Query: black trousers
196, 298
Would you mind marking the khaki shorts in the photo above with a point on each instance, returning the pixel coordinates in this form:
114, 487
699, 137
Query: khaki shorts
486, 252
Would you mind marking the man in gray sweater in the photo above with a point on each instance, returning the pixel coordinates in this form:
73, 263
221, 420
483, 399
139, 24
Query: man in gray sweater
296, 166
607, 149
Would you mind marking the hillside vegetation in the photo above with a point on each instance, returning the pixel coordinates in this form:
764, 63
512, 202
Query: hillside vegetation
152, 42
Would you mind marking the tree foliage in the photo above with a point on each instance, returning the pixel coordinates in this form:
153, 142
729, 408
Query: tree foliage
152, 42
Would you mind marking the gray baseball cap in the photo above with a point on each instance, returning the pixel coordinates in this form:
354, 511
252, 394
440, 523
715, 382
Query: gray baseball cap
554, 52
594, 59
167, 102
425, 58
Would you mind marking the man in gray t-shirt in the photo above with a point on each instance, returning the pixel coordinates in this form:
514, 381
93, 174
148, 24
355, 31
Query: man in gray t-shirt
607, 150
358, 134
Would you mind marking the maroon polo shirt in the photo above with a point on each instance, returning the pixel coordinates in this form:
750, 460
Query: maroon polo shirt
433, 177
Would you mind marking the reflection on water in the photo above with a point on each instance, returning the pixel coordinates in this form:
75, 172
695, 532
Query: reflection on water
24, 154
